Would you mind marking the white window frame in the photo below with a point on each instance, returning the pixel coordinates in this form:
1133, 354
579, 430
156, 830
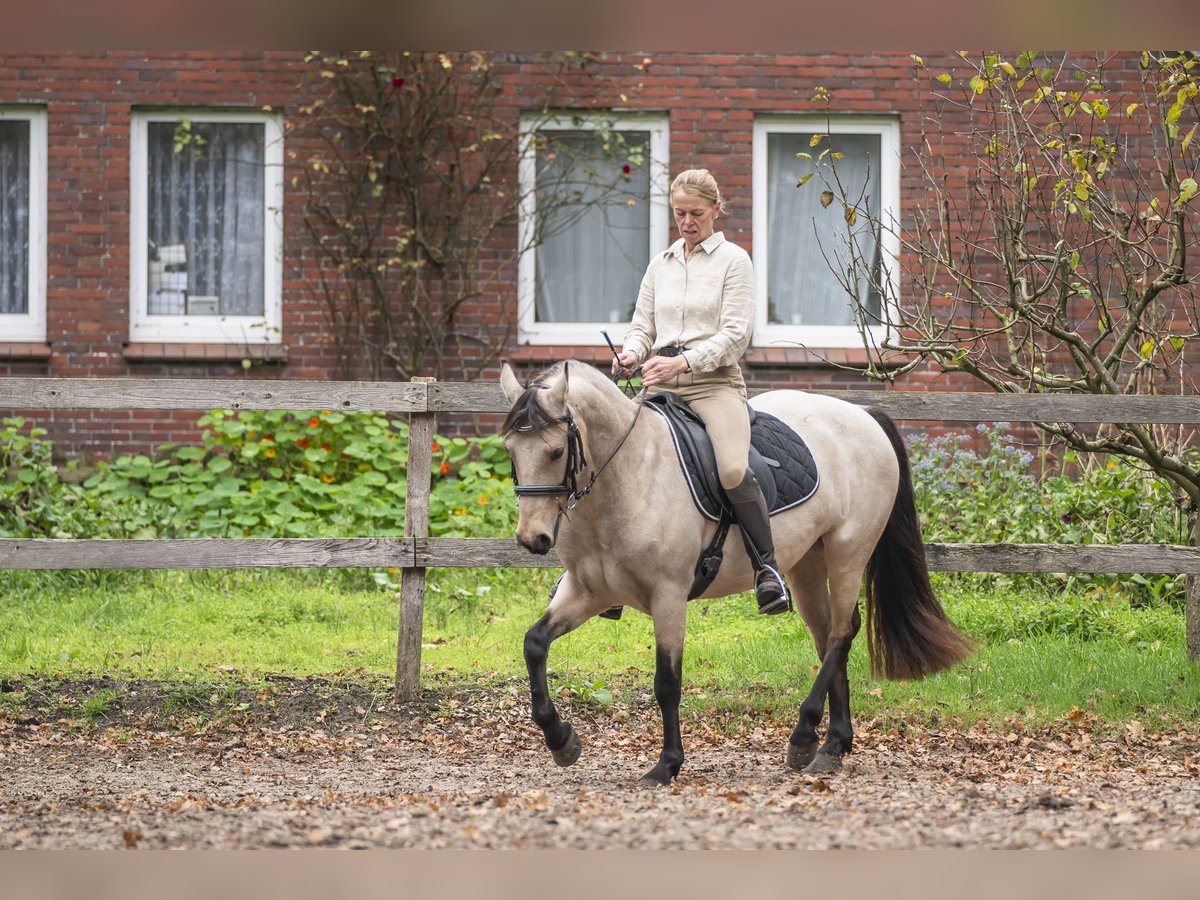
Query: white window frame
31, 325
529, 330
888, 129
264, 329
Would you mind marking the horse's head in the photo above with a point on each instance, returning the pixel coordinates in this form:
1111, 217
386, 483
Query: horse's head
544, 444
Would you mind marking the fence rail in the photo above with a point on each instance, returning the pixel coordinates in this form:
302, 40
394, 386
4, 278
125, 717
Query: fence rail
422, 399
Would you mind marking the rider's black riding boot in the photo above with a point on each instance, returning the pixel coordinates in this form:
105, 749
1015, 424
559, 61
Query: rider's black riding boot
751, 510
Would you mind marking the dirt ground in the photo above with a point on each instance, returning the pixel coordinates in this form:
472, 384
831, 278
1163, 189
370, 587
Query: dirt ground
310, 764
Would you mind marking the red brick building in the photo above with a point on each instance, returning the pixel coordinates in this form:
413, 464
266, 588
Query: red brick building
128, 258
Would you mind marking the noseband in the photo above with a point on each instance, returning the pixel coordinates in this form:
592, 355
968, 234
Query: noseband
576, 462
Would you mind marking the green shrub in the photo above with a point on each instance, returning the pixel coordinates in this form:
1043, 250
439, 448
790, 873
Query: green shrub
992, 496
309, 473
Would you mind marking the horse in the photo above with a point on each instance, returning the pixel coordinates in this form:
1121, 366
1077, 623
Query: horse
599, 481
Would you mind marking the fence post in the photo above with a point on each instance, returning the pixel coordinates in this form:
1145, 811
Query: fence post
1191, 609
421, 428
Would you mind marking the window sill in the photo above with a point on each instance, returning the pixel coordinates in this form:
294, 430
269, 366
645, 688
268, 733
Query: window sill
153, 351
552, 353
818, 358
24, 350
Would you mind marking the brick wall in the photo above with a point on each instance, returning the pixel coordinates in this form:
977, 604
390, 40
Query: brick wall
711, 100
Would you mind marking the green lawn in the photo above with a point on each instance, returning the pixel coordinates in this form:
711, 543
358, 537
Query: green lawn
1039, 658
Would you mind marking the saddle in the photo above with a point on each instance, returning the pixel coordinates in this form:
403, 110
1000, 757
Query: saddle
779, 458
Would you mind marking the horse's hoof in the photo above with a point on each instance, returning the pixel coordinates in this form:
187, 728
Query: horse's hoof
800, 756
656, 779
568, 752
824, 764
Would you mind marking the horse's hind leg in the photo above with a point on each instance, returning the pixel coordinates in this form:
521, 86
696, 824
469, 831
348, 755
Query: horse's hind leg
828, 601
670, 622
810, 590
569, 608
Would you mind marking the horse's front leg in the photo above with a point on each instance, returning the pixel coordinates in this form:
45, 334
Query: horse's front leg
670, 622
569, 608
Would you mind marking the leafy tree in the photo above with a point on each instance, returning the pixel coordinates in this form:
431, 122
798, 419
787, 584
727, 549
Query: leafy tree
1061, 257
411, 197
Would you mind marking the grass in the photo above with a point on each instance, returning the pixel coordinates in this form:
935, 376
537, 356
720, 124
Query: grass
1040, 657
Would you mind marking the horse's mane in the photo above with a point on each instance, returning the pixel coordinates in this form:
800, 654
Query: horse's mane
527, 413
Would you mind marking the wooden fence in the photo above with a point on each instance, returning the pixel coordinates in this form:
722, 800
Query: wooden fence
423, 399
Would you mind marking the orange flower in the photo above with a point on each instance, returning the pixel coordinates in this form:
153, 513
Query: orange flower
483, 500
325, 447
436, 447
314, 422
302, 443
328, 479
269, 453
444, 468
459, 511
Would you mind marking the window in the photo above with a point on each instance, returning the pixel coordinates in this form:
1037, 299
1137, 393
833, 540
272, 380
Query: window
798, 243
593, 209
206, 228
22, 224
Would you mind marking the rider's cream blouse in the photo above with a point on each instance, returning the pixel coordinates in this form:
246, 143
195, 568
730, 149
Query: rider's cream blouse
705, 302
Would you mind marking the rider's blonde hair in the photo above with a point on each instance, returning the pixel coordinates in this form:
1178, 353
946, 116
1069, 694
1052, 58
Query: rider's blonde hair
698, 183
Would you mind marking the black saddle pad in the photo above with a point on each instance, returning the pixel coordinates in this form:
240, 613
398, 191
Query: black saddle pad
779, 458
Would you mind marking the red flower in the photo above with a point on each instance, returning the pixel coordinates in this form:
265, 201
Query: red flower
626, 168
302, 443
314, 422
436, 447
268, 437
326, 448
397, 82
445, 468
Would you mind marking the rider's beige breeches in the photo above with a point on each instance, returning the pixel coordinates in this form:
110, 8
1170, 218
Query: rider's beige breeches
719, 398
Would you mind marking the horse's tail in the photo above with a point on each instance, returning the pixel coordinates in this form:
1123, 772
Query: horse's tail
908, 634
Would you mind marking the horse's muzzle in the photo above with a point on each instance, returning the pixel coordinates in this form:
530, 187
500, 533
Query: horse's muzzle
540, 544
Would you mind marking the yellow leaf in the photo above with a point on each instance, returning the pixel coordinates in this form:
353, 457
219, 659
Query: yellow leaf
945, 78
1130, 108
851, 215
1081, 191
815, 139
803, 179
1147, 349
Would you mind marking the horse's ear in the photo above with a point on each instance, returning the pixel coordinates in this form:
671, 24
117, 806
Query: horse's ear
555, 401
511, 385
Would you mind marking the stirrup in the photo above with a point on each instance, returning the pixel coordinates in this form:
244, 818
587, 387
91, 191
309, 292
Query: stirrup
772, 607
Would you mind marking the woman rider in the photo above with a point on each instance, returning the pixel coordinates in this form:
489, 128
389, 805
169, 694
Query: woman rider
691, 325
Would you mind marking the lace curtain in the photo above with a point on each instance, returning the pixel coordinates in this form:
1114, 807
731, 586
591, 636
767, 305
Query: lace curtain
595, 222
804, 239
14, 217
205, 218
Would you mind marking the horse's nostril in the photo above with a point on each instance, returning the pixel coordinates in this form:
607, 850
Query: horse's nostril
541, 544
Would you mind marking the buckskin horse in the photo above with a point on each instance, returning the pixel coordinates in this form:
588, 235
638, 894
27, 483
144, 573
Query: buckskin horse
599, 480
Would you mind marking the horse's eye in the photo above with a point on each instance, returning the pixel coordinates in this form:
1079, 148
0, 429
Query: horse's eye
556, 454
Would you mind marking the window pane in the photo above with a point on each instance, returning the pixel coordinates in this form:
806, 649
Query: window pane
205, 219
594, 221
14, 217
806, 242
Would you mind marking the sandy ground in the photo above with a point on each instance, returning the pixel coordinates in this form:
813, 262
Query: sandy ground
467, 770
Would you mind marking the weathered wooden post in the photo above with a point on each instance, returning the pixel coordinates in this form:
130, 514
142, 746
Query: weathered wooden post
421, 426
1191, 611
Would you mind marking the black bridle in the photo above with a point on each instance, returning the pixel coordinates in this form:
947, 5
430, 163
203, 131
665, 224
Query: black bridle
576, 462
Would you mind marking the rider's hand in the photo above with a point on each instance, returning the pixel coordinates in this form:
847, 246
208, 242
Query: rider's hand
626, 361
658, 369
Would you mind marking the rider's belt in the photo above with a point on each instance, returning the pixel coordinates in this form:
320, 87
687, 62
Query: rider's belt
671, 350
